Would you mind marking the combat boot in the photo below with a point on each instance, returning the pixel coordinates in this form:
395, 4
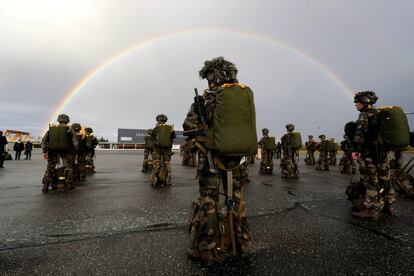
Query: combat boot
45, 188
389, 210
367, 214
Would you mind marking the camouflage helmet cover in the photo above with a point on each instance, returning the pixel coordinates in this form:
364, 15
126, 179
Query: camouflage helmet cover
265, 131
88, 130
161, 118
219, 71
63, 118
365, 97
310, 137
322, 136
76, 127
290, 127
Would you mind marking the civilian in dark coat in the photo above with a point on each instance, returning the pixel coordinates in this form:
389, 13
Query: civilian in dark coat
18, 148
28, 147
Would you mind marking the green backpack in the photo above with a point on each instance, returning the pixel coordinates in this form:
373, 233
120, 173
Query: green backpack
269, 143
330, 146
163, 136
234, 121
393, 128
296, 141
59, 138
90, 141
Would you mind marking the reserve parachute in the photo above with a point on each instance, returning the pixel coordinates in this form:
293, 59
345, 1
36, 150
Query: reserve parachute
234, 121
59, 138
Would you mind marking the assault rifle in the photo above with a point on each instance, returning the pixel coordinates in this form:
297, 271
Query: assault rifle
202, 120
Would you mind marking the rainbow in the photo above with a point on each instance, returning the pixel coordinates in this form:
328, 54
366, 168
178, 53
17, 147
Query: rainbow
91, 74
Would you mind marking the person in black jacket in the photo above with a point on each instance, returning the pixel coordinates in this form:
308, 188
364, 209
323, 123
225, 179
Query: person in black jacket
28, 147
3, 143
18, 148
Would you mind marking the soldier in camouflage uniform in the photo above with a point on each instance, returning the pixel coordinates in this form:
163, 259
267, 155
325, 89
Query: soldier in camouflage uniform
288, 164
322, 164
53, 156
207, 244
278, 150
332, 153
266, 165
347, 163
398, 159
372, 194
403, 181
310, 151
161, 154
187, 154
80, 153
91, 142
148, 149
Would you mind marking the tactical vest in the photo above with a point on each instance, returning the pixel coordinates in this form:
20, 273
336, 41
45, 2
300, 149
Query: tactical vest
59, 138
234, 121
163, 136
269, 143
393, 129
295, 141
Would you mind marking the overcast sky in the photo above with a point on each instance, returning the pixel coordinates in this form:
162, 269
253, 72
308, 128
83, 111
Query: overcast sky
286, 51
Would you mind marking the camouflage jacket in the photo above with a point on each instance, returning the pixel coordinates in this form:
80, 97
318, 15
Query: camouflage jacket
191, 120
286, 140
310, 145
366, 132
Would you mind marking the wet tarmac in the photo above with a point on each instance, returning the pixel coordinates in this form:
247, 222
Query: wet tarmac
115, 223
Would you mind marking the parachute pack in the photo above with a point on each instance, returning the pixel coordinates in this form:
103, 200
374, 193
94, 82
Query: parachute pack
89, 141
163, 136
59, 138
234, 121
296, 141
394, 132
269, 143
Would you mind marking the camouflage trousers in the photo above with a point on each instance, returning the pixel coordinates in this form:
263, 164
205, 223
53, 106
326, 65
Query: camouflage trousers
161, 170
404, 184
347, 164
322, 164
373, 190
209, 221
188, 159
310, 158
52, 161
81, 160
289, 166
145, 163
266, 165
332, 158
89, 161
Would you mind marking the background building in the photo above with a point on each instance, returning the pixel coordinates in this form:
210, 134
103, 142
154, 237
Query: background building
137, 136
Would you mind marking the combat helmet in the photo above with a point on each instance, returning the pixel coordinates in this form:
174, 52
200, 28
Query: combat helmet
310, 137
219, 71
322, 136
365, 97
290, 127
76, 127
63, 118
265, 131
161, 118
88, 130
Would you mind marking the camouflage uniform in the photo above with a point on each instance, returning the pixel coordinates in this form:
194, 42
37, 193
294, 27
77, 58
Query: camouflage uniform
149, 148
310, 152
266, 165
332, 153
322, 164
187, 154
398, 159
79, 169
288, 164
347, 163
91, 143
206, 221
278, 150
372, 193
53, 157
161, 172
